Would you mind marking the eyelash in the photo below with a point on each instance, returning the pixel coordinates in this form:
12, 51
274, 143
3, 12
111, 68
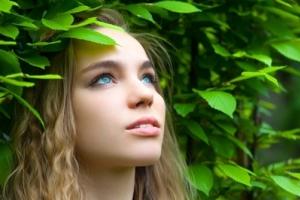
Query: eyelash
152, 77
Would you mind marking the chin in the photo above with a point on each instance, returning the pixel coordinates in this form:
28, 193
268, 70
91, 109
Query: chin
145, 158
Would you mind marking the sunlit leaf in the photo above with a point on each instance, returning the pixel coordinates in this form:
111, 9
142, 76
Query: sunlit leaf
140, 11
7, 43
288, 48
29, 76
59, 22
260, 73
263, 58
14, 82
288, 184
221, 50
201, 178
87, 34
282, 13
111, 26
9, 31
295, 175
177, 6
236, 173
284, 3
6, 5
219, 100
78, 9
272, 79
266, 59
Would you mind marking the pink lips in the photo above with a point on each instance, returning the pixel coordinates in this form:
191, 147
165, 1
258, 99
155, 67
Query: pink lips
146, 126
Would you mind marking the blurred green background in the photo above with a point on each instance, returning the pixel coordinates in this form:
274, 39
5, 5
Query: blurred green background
235, 82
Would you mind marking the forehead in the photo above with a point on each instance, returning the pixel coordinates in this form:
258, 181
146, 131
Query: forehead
128, 49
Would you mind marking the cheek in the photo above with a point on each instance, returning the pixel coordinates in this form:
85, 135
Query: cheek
160, 106
94, 114
94, 119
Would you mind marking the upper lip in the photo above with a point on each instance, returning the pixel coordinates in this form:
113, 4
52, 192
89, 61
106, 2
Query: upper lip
144, 120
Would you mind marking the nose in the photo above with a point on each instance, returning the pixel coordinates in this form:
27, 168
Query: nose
140, 95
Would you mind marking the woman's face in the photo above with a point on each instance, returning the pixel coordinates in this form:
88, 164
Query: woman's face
119, 114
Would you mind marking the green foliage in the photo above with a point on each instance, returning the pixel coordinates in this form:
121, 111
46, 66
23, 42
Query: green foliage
227, 58
201, 178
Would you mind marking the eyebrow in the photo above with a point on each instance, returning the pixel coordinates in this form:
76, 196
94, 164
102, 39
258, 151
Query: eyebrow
113, 64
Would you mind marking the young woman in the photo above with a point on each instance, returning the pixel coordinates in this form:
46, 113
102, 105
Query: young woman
108, 134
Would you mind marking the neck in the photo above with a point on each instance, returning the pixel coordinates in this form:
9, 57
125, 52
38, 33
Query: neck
108, 183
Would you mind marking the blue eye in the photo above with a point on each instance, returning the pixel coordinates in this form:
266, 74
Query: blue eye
103, 79
149, 79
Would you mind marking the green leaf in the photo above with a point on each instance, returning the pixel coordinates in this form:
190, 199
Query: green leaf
292, 134
77, 9
5, 162
220, 50
266, 59
107, 25
228, 127
91, 3
85, 22
183, 109
237, 173
26, 104
36, 60
222, 146
16, 82
9, 63
272, 79
241, 145
41, 44
87, 34
271, 69
295, 175
61, 21
23, 21
44, 76
288, 184
196, 130
9, 31
7, 43
219, 100
177, 6
140, 11
260, 73
282, 13
284, 3
288, 48
263, 58
201, 178
6, 5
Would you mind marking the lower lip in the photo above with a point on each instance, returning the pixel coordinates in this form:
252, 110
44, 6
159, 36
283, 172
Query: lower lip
146, 132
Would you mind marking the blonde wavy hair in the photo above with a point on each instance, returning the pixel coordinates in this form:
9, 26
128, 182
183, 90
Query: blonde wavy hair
45, 164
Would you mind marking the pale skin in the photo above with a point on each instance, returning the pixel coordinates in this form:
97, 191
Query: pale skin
114, 87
